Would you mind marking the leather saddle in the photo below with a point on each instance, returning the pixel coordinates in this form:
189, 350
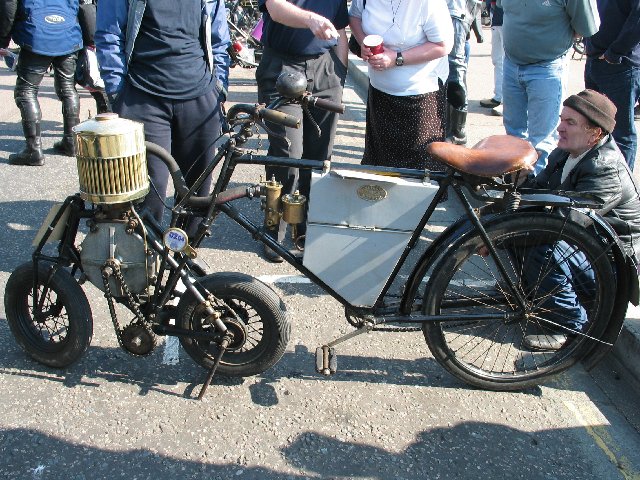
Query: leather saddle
491, 157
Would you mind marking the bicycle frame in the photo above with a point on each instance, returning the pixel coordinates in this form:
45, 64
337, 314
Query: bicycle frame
379, 310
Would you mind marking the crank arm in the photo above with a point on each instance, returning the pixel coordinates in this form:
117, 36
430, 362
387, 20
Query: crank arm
326, 358
364, 329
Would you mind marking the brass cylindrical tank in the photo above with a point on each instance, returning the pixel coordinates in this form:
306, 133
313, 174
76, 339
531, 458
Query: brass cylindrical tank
293, 208
112, 161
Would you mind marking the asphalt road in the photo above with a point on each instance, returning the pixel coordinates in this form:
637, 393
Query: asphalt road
391, 412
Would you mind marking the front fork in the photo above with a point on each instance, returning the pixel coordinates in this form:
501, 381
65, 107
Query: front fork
71, 211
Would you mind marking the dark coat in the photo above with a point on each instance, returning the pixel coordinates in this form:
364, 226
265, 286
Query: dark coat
603, 173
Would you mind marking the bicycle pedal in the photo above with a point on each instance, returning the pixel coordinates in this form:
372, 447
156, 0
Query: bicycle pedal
326, 360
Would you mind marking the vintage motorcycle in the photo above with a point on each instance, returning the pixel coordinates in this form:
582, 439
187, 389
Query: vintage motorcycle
471, 291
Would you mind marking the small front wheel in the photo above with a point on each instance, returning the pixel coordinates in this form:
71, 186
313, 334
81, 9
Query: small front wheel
567, 283
58, 332
257, 320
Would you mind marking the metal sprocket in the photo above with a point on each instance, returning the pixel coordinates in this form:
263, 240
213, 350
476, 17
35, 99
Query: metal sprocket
138, 339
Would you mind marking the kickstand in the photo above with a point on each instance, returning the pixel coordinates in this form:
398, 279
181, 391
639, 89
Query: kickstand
223, 346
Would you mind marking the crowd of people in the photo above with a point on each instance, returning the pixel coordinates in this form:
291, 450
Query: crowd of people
166, 65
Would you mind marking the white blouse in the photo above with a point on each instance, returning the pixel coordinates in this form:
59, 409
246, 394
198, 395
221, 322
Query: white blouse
404, 24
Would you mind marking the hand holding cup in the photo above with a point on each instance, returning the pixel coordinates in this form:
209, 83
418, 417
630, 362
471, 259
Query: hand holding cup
374, 44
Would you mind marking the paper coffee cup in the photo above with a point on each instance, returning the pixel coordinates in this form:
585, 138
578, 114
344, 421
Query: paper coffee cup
373, 43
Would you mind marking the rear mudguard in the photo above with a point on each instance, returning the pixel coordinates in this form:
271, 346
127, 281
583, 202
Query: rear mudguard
625, 267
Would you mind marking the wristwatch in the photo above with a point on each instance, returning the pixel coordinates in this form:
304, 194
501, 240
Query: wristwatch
399, 59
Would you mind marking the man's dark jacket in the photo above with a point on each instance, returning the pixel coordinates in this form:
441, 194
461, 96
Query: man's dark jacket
604, 173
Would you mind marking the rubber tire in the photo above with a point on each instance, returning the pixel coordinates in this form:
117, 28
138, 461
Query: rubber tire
450, 263
259, 297
80, 321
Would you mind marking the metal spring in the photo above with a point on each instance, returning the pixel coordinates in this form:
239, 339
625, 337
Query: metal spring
512, 201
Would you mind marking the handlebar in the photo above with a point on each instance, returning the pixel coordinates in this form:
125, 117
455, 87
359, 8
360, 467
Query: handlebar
279, 117
270, 113
324, 104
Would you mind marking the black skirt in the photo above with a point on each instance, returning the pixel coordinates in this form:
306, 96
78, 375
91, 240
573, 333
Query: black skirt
400, 128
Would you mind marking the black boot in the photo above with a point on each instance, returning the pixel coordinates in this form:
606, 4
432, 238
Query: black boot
67, 146
457, 122
32, 154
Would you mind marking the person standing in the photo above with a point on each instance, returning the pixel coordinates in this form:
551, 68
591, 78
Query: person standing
306, 36
407, 92
536, 38
87, 71
48, 34
497, 58
613, 67
463, 14
165, 64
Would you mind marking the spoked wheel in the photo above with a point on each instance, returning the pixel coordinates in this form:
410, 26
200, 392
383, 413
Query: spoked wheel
60, 329
547, 259
258, 323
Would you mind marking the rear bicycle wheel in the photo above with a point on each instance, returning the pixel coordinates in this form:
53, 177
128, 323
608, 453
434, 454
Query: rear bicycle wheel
491, 353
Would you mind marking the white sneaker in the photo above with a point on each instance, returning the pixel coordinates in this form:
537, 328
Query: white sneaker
497, 111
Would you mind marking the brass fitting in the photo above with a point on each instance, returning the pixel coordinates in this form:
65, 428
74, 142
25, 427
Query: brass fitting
271, 203
293, 208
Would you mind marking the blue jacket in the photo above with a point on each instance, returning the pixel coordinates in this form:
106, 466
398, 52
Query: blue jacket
118, 24
45, 27
619, 36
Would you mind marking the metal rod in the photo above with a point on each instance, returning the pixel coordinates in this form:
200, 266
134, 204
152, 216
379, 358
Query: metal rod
223, 346
489, 244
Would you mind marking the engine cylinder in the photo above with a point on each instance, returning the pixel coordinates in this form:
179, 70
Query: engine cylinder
112, 161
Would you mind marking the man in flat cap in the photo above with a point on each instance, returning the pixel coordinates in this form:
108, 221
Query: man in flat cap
587, 159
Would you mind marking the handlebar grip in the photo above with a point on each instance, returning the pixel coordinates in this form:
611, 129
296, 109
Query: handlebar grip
280, 118
327, 105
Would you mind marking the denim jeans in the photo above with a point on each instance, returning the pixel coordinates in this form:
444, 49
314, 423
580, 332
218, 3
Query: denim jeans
532, 97
562, 280
458, 64
621, 83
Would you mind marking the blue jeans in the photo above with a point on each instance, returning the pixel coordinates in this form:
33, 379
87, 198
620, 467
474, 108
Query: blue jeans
458, 66
532, 97
562, 280
621, 83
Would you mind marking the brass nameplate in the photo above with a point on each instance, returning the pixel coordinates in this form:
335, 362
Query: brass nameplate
372, 193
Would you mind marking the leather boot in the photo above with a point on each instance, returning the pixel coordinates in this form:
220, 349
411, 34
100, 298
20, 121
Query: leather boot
32, 153
67, 146
457, 122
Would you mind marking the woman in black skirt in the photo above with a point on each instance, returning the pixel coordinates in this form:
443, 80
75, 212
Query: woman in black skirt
407, 94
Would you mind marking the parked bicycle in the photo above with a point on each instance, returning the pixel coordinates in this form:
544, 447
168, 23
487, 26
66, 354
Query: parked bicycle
475, 292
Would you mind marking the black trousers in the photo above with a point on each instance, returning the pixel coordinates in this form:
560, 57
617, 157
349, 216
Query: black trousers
187, 129
326, 75
31, 69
